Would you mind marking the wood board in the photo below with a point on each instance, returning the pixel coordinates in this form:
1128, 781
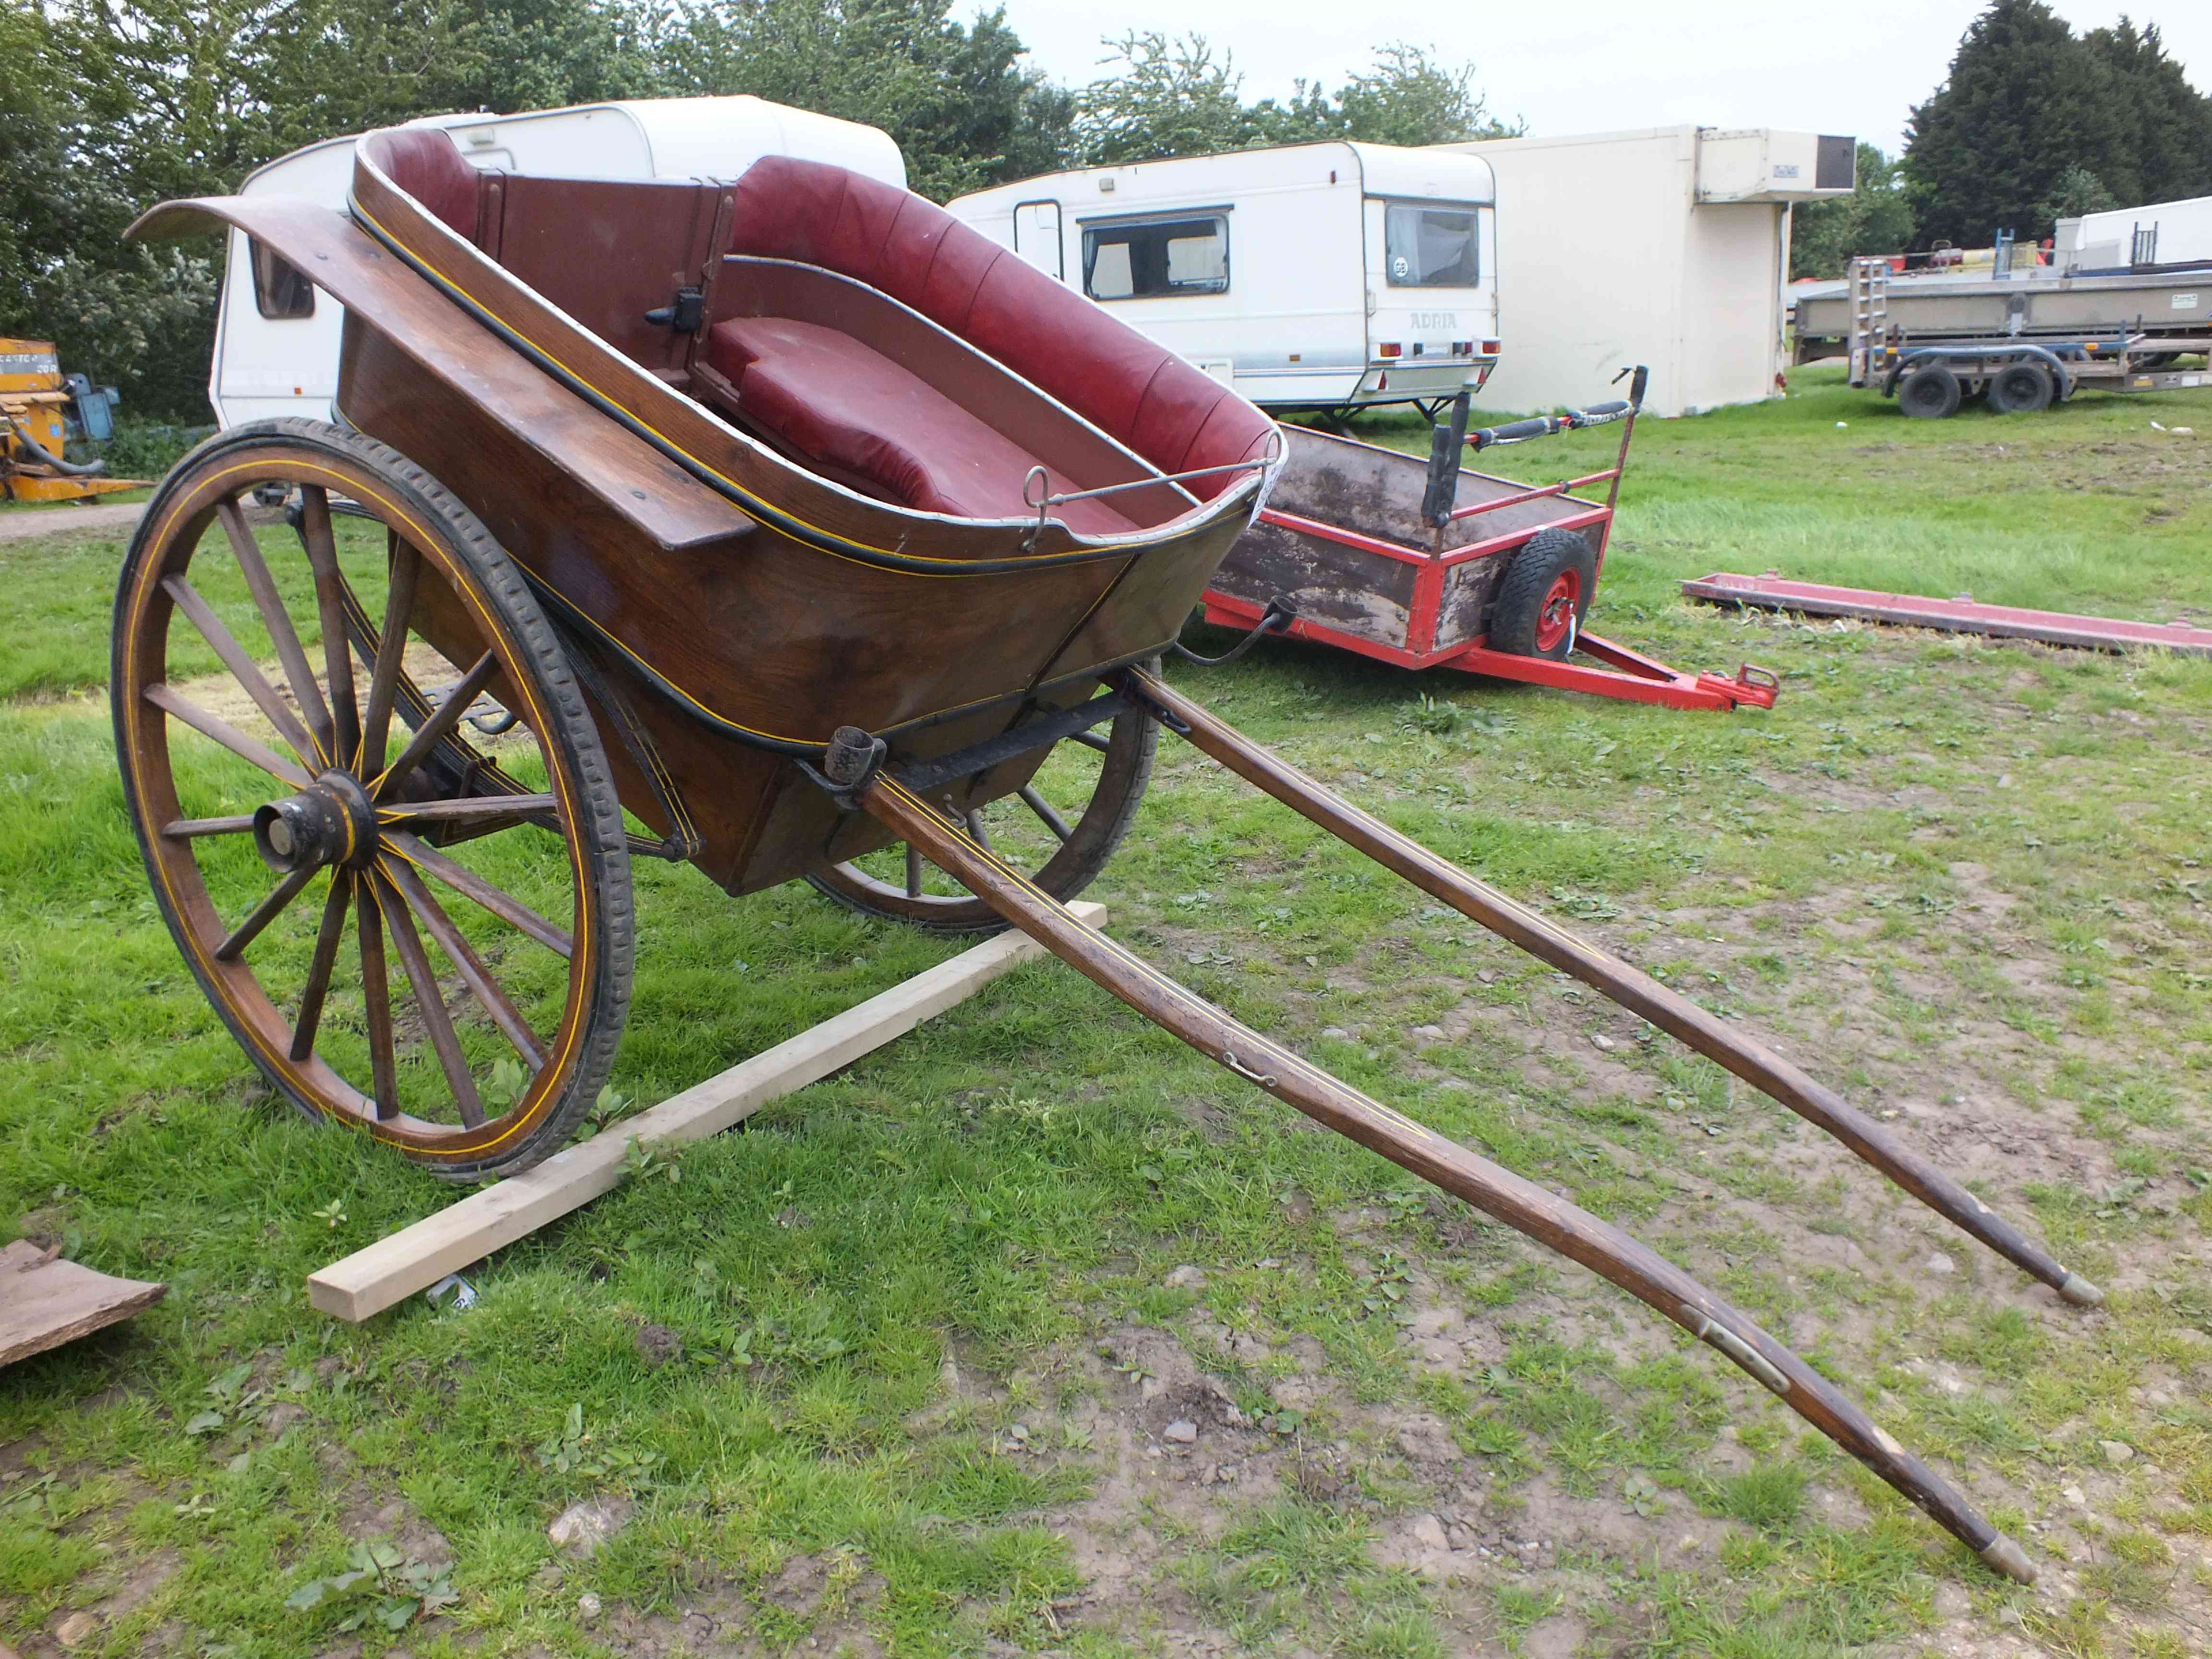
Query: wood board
418, 1256
45, 1302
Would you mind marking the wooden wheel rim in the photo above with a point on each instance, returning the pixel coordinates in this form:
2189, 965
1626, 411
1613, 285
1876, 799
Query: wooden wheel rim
1126, 769
183, 512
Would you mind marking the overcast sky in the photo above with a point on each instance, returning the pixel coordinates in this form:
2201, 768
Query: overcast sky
1599, 64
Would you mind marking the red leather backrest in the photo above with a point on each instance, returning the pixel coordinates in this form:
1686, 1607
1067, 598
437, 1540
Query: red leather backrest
426, 163
1142, 393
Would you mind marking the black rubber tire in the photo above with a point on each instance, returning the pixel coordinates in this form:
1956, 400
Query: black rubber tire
1929, 393
1134, 741
1517, 617
600, 831
2021, 389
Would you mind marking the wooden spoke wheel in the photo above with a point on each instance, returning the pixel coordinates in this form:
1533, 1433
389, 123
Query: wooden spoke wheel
1061, 827
407, 935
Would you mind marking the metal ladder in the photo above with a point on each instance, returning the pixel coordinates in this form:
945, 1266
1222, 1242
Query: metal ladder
1869, 281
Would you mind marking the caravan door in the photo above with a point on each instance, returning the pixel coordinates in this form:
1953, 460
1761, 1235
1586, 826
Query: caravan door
1431, 296
1037, 239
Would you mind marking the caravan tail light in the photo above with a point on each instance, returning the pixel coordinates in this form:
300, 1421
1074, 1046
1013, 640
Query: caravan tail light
1390, 348
1491, 348
1463, 347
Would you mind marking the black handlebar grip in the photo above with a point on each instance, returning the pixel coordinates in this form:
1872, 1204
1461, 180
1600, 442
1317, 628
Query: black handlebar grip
1513, 431
1604, 411
1636, 386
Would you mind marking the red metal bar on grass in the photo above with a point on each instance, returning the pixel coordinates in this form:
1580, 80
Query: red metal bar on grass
1959, 616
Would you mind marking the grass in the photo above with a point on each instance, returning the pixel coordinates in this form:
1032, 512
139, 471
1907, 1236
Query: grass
1966, 883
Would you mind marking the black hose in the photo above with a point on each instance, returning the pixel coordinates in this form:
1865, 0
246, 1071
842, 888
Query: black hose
67, 469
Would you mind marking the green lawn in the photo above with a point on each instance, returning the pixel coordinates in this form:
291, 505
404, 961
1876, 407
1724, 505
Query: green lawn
927, 1327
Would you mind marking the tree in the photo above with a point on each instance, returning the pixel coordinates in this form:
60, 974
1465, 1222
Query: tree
962, 111
2033, 124
1876, 218
1403, 97
1173, 97
1168, 98
2022, 104
2079, 191
116, 311
2163, 140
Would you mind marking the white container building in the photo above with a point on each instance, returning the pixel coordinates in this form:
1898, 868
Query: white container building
277, 353
1666, 245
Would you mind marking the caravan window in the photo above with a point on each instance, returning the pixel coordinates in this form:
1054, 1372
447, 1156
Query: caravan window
1143, 259
280, 288
1429, 246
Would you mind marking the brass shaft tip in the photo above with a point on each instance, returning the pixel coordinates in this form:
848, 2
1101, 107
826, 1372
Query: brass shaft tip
2081, 1293
2009, 1558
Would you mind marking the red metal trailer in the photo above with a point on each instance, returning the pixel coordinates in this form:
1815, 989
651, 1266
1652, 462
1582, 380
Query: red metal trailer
1434, 565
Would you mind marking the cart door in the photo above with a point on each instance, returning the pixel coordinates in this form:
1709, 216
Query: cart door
1036, 237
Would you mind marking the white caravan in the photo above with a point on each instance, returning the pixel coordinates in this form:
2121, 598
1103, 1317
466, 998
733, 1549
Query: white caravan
276, 338
1328, 276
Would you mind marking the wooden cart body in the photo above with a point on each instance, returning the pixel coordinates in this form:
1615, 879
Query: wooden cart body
495, 335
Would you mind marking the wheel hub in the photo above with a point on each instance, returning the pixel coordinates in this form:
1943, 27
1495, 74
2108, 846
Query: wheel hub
332, 821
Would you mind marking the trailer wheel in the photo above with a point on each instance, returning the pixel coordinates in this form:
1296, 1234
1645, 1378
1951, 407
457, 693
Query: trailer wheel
1544, 596
2021, 389
1930, 393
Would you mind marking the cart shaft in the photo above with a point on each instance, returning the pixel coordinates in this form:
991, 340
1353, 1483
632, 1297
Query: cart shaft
1675, 1014
1497, 1192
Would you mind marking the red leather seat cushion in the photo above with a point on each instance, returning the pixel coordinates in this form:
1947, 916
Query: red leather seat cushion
1140, 393
836, 402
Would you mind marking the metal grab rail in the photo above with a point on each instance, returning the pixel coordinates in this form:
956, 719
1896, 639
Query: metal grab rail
1043, 504
1565, 486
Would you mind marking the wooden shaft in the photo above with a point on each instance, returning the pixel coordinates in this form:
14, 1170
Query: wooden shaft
1497, 1192
1673, 1013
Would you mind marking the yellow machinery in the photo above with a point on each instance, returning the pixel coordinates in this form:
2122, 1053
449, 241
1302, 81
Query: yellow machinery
42, 408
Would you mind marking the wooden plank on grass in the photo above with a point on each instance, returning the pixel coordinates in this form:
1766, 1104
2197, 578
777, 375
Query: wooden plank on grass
45, 1302
418, 1256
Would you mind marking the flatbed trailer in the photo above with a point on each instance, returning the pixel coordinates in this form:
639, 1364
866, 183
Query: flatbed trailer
2021, 342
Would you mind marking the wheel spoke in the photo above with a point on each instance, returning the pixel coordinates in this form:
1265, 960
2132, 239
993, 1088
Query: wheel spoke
264, 913
319, 970
977, 832
376, 992
437, 726
443, 1037
391, 648
280, 715
214, 725
278, 622
913, 870
1092, 740
329, 606
467, 883
1038, 804
475, 807
185, 829
488, 990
